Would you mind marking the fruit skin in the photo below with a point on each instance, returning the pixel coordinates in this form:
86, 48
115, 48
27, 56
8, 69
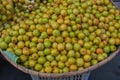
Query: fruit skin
44, 35
54, 52
47, 44
18, 52
80, 62
63, 58
54, 63
100, 57
56, 33
34, 56
32, 63
26, 64
69, 46
94, 62
47, 63
87, 45
99, 51
41, 60
65, 69
56, 70
87, 58
46, 51
87, 64
76, 47
60, 65
71, 53
7, 39
112, 41
36, 33
26, 51
50, 58
3, 45
23, 58
38, 67
60, 47
73, 67
20, 44
106, 49
71, 60
48, 69
40, 46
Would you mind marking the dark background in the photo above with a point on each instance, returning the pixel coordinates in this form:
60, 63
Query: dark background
109, 71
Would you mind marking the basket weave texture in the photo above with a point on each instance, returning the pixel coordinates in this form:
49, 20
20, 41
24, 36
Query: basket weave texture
67, 74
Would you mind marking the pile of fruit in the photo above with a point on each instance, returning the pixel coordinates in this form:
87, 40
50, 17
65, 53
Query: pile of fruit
6, 11
61, 36
25, 5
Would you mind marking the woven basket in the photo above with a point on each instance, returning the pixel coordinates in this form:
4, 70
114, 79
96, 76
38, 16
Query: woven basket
67, 74
60, 75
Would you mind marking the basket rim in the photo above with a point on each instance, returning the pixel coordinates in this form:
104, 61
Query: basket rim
67, 74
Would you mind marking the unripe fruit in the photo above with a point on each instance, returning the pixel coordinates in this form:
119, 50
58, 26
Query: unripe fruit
41, 60
65, 69
23, 58
54, 63
50, 58
20, 44
106, 49
63, 58
56, 70
48, 69
80, 62
71, 60
87, 58
35, 56
60, 65
38, 67
87, 64
18, 52
3, 45
94, 62
32, 63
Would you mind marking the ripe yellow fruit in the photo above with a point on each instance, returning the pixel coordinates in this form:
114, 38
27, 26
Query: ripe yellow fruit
87, 58
48, 69
73, 67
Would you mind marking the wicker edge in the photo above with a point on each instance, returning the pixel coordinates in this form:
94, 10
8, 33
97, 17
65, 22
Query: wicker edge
115, 5
68, 74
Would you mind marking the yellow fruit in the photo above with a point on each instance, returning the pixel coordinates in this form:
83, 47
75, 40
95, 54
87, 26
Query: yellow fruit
87, 58
48, 69
73, 67
26, 51
87, 64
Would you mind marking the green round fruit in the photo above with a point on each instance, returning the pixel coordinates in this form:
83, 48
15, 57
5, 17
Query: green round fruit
80, 62
41, 60
63, 58
50, 58
38, 67
61, 65
32, 63
3, 45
